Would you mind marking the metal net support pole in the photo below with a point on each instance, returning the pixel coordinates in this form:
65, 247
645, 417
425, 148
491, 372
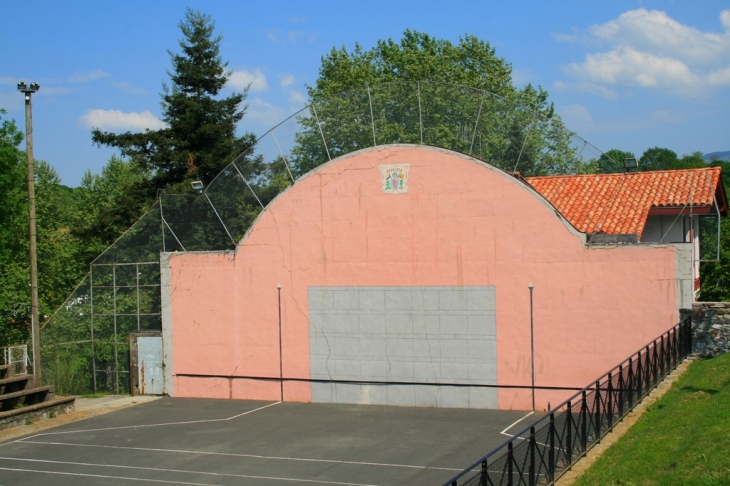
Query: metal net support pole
116, 356
286, 162
136, 272
420, 116
91, 317
247, 185
319, 125
219, 218
372, 118
476, 123
524, 142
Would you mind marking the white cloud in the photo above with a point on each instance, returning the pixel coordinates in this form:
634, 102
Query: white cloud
725, 18
297, 98
666, 116
650, 50
87, 77
654, 31
286, 80
118, 120
628, 67
586, 87
256, 81
575, 115
128, 88
278, 36
265, 114
720, 77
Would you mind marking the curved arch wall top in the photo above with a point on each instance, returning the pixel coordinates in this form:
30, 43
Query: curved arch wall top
410, 264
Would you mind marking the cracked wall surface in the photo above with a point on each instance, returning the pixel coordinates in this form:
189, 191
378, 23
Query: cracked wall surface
434, 336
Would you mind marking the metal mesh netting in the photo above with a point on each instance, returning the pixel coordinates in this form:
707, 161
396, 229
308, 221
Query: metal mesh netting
85, 341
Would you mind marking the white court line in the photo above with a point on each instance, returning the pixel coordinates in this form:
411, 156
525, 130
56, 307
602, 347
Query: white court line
102, 476
504, 432
253, 456
148, 425
156, 469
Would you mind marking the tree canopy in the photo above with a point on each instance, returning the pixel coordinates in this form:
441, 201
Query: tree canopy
431, 91
200, 137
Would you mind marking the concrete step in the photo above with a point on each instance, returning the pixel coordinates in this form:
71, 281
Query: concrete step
16, 383
29, 396
6, 371
47, 409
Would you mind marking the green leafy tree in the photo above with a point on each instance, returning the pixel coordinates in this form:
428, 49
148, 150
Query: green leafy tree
108, 203
657, 158
613, 161
14, 277
200, 138
58, 270
715, 276
430, 91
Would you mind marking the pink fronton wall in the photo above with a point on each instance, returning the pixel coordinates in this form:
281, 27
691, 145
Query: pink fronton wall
460, 224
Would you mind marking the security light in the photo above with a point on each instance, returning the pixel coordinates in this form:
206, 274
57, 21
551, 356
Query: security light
22, 86
631, 163
197, 186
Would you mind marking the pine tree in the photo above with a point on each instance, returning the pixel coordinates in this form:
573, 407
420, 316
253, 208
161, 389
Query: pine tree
201, 135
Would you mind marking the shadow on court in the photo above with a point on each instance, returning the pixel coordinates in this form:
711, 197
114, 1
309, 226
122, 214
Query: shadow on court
227, 442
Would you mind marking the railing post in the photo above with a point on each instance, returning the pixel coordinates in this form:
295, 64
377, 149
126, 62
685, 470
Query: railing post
647, 378
551, 452
639, 377
662, 355
569, 434
533, 445
484, 476
598, 412
510, 460
584, 422
609, 402
621, 386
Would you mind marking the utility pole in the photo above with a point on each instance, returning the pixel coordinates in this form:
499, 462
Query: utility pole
532, 344
35, 324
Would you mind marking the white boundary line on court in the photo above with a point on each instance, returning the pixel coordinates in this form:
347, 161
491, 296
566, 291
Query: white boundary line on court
142, 426
504, 432
156, 469
253, 456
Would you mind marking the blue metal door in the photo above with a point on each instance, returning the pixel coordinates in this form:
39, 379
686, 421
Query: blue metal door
149, 365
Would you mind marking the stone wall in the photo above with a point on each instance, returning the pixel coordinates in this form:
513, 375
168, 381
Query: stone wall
710, 328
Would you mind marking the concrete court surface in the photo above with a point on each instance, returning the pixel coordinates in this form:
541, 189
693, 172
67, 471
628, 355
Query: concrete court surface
239, 442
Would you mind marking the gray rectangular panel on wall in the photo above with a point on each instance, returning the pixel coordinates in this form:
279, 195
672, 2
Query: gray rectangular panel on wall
430, 337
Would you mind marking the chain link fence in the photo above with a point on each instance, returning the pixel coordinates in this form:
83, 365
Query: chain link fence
84, 343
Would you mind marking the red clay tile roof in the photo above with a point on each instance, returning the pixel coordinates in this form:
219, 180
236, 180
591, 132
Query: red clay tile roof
620, 203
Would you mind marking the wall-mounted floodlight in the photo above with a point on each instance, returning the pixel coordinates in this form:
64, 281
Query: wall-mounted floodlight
631, 163
197, 186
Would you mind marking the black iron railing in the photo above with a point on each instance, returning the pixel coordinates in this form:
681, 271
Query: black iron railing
546, 449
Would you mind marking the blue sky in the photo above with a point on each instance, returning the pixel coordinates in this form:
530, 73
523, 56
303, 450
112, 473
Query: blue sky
623, 74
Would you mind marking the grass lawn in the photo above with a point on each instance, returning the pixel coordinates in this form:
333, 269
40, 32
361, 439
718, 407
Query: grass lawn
682, 439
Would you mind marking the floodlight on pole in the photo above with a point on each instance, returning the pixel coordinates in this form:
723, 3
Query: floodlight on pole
631, 163
35, 324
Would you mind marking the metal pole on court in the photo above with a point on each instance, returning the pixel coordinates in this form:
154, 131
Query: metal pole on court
532, 344
35, 324
281, 366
